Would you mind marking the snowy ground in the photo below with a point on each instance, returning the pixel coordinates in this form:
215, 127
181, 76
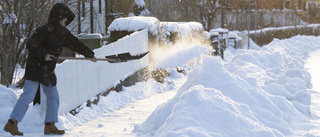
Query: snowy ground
269, 91
313, 66
124, 120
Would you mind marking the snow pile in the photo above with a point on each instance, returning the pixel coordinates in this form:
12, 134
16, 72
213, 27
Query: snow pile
257, 93
7, 101
170, 26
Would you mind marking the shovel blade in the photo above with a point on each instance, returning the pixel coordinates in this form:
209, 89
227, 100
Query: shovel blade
113, 57
127, 56
123, 57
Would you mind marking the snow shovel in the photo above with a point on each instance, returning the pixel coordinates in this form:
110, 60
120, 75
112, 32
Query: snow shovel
122, 57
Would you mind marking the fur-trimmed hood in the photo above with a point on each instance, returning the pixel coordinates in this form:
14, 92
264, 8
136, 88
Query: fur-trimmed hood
58, 12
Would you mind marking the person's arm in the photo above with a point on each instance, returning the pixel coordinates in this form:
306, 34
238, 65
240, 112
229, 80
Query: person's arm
34, 44
73, 43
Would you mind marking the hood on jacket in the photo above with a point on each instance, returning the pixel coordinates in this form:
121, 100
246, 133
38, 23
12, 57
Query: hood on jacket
58, 12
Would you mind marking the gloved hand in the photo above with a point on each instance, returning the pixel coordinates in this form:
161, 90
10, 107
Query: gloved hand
48, 57
94, 59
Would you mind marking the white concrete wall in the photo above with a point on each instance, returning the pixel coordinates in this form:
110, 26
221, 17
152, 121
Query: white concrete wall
79, 81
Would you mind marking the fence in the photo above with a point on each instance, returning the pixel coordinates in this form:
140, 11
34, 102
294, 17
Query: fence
239, 20
266, 35
79, 81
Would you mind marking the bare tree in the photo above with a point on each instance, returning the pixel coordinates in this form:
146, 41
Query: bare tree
165, 10
186, 10
207, 12
139, 8
18, 20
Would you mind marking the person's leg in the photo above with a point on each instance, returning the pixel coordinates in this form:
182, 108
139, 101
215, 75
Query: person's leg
52, 102
52, 110
22, 105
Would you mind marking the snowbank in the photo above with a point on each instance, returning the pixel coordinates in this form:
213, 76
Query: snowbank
260, 92
7, 102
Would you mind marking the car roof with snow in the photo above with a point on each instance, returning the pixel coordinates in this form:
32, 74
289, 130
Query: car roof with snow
219, 30
234, 35
183, 27
214, 33
135, 23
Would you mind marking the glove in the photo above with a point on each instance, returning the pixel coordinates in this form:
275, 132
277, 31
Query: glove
48, 57
94, 59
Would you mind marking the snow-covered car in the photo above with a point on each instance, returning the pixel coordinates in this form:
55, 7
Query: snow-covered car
223, 33
125, 26
222, 43
191, 28
214, 41
214, 36
234, 40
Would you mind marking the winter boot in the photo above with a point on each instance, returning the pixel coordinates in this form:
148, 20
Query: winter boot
12, 127
50, 128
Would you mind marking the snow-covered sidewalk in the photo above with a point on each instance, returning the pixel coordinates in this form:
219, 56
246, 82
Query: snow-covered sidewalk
313, 67
121, 123
119, 118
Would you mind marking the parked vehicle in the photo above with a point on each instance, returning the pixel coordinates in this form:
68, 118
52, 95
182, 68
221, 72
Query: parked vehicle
234, 40
222, 43
221, 39
214, 38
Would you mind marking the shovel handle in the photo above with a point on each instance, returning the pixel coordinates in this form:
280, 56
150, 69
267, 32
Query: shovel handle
75, 58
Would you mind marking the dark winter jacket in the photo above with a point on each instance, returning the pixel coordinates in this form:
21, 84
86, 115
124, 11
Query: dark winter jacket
50, 39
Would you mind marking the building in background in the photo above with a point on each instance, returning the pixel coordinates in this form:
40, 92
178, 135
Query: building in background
312, 6
269, 4
94, 16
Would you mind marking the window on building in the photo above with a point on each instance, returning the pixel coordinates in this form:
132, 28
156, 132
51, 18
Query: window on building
299, 4
245, 5
287, 4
